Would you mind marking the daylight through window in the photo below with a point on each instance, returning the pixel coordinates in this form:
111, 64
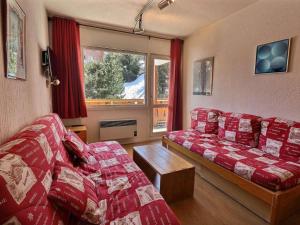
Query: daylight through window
161, 73
114, 78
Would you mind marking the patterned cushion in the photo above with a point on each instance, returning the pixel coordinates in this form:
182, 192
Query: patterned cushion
197, 142
55, 137
75, 192
26, 166
127, 196
240, 128
38, 144
250, 163
48, 131
31, 151
75, 145
205, 120
25, 182
280, 138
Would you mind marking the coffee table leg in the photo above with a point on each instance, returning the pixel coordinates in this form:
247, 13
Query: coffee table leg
164, 144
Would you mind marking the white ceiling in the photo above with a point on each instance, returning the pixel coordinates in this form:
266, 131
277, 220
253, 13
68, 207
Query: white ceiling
180, 19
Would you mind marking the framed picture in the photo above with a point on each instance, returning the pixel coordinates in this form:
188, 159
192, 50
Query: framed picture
14, 39
273, 57
203, 76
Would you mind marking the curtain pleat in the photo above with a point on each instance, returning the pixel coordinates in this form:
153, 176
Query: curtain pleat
175, 91
68, 97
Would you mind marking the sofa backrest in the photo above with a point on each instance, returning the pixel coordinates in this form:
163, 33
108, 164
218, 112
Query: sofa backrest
275, 136
280, 138
26, 164
240, 128
205, 120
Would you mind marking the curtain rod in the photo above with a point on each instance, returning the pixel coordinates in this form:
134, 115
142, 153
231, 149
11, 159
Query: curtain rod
120, 31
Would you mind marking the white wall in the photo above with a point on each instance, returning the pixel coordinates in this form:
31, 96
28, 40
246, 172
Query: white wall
115, 40
233, 42
22, 101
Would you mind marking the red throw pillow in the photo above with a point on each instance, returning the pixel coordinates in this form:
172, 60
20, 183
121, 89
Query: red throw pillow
205, 120
75, 192
280, 138
240, 128
75, 145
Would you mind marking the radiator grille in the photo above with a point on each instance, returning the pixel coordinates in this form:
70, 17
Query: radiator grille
117, 123
117, 129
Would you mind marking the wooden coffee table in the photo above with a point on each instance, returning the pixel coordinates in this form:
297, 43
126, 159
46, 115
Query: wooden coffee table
173, 176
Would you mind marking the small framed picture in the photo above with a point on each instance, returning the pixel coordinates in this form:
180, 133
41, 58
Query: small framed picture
273, 57
203, 76
14, 39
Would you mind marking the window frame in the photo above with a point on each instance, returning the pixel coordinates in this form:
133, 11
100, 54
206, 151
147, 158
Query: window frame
115, 50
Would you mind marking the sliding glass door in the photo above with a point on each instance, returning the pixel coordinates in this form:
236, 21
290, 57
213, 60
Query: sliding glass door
160, 68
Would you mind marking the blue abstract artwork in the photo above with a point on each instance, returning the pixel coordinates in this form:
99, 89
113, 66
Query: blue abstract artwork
272, 57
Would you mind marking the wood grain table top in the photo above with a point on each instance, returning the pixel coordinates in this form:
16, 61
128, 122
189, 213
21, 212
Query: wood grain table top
161, 159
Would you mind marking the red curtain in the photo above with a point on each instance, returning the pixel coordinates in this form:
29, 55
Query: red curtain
175, 92
68, 97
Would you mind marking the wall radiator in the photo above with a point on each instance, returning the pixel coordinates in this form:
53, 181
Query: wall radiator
117, 129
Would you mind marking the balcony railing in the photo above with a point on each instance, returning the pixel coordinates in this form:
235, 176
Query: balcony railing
109, 102
99, 102
160, 101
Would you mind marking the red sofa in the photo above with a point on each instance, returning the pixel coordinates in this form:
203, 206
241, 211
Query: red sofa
261, 156
269, 157
26, 166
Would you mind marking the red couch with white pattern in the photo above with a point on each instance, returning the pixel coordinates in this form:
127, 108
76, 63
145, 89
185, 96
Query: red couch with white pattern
269, 156
27, 162
263, 154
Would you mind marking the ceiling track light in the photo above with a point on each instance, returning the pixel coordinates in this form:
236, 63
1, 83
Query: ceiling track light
139, 18
165, 3
140, 28
147, 6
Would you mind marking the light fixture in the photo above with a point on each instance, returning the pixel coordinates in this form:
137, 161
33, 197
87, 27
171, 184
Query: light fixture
139, 29
139, 18
53, 81
165, 3
47, 67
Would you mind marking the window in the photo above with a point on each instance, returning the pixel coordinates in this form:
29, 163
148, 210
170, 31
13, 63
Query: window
161, 81
114, 78
161, 67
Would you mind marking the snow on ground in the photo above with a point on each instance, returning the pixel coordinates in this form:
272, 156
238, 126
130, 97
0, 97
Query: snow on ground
135, 89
